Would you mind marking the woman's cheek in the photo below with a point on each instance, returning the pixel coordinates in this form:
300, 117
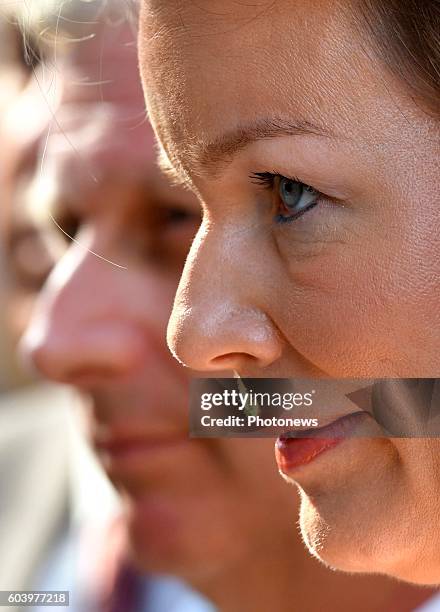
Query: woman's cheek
320, 232
336, 310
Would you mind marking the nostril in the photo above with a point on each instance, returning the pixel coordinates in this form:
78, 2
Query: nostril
233, 361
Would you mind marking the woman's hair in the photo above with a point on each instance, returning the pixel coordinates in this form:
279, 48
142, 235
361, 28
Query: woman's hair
407, 36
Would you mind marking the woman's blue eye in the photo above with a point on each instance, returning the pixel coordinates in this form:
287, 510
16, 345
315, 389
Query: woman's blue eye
295, 198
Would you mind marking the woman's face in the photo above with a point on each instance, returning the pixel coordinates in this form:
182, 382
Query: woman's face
318, 254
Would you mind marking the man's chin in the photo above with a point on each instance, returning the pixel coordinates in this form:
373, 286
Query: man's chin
160, 537
170, 558
179, 537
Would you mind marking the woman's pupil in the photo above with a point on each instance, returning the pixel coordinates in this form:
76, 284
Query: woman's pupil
290, 189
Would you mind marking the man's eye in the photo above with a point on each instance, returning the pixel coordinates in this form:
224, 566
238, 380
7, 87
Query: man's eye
292, 197
70, 226
177, 215
66, 223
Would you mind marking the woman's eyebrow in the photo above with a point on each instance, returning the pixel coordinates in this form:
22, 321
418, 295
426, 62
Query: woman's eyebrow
204, 158
176, 176
210, 156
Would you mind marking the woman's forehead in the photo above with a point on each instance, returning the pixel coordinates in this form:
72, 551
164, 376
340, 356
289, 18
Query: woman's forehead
282, 55
210, 69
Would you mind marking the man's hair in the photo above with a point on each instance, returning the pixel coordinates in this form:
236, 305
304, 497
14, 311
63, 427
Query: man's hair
406, 34
46, 24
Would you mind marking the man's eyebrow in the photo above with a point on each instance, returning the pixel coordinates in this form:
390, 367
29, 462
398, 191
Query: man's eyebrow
221, 150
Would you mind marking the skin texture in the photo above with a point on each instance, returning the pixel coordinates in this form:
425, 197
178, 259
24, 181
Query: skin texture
201, 510
351, 287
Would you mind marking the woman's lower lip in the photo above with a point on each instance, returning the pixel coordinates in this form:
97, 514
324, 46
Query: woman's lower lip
292, 452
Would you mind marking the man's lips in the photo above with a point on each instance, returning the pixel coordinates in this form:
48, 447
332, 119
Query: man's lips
114, 434
129, 447
297, 449
133, 464
124, 447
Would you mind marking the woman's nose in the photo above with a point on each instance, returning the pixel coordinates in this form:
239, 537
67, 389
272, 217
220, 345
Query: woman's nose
216, 322
81, 331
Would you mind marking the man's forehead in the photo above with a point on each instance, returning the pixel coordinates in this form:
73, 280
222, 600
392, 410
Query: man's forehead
86, 147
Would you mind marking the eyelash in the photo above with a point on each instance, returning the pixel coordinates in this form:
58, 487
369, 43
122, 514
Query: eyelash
266, 180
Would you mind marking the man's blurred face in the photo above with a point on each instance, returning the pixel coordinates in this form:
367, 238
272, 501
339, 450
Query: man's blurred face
26, 258
100, 323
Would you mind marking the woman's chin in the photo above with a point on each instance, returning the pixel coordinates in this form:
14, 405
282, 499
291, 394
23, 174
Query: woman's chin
354, 546
335, 544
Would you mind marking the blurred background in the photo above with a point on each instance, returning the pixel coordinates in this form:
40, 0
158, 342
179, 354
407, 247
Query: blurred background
48, 476
66, 90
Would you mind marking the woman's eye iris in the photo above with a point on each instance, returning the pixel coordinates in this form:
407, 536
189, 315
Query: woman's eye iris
290, 192
295, 197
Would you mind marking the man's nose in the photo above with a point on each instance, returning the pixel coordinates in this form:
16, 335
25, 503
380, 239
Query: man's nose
81, 331
218, 321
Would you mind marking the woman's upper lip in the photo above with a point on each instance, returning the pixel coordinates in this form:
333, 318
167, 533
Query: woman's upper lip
337, 428
295, 449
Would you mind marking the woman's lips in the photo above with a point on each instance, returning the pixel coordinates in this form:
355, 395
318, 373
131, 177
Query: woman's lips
296, 449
